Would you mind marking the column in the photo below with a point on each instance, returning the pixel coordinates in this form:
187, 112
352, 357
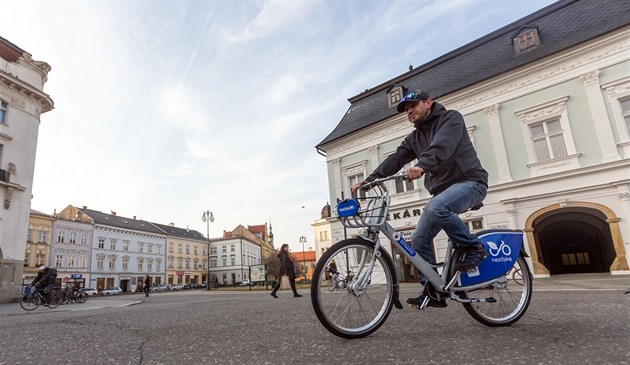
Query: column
600, 116
498, 143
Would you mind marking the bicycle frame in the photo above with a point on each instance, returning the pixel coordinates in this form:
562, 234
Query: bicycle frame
374, 219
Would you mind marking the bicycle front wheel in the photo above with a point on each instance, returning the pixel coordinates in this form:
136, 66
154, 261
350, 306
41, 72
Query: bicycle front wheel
27, 303
364, 304
512, 298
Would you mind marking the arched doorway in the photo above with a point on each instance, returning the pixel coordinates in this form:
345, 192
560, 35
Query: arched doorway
574, 241
575, 237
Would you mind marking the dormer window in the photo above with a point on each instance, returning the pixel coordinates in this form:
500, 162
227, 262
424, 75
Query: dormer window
526, 38
394, 95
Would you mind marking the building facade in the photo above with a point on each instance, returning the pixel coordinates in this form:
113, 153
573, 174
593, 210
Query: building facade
38, 242
71, 246
124, 250
186, 255
546, 101
22, 102
231, 256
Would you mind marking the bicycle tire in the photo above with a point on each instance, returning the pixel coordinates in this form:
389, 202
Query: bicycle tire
512, 299
82, 297
27, 303
354, 312
55, 299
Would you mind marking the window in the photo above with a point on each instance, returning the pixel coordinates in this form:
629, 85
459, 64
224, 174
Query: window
526, 39
213, 262
71, 261
195, 264
112, 245
158, 263
61, 235
179, 248
203, 251
125, 245
195, 250
28, 235
213, 250
402, 185
125, 263
140, 263
99, 262
548, 140
625, 111
323, 235
27, 254
180, 262
187, 263
149, 265
232, 260
59, 260
224, 249
232, 248
73, 237
158, 249
394, 96
84, 239
3, 112
82, 261
187, 249
224, 261
171, 262
101, 243
39, 258
42, 236
140, 247
170, 248
149, 248
355, 179
112, 262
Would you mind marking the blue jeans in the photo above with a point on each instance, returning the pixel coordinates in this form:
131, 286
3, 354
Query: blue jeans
440, 213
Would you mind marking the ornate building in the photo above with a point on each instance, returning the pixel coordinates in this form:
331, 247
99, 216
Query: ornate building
22, 102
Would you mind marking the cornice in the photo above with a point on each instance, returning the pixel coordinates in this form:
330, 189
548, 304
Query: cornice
25, 90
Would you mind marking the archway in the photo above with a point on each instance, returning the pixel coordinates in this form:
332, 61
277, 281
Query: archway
575, 237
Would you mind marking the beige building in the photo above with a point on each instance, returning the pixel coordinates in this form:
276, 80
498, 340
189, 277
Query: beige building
38, 240
22, 102
186, 255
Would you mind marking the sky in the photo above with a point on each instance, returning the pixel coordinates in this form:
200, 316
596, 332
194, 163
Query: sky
166, 109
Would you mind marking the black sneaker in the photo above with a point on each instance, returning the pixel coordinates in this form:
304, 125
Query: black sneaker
471, 258
432, 302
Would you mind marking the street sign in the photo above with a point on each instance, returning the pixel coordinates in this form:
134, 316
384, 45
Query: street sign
76, 276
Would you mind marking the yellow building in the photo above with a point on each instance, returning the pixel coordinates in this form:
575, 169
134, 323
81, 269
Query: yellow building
186, 255
38, 239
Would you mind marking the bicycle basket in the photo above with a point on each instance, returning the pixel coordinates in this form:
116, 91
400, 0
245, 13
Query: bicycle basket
373, 214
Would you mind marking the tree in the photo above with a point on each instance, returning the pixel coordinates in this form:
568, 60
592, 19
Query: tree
273, 265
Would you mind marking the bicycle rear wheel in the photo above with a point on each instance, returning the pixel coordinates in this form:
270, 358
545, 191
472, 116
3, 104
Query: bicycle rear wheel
28, 302
364, 305
512, 298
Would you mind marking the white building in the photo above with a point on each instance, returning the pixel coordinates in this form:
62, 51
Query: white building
546, 101
230, 259
22, 101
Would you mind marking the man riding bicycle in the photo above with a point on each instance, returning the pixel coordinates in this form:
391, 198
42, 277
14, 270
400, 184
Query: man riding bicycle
454, 177
44, 280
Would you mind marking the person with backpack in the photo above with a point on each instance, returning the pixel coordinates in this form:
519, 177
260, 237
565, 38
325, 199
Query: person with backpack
45, 279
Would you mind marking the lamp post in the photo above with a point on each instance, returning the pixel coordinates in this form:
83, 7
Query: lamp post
303, 241
208, 217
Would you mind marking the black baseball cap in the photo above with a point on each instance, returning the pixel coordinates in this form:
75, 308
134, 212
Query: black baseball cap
413, 96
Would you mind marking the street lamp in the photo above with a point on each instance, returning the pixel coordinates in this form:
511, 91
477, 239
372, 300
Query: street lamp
303, 241
208, 217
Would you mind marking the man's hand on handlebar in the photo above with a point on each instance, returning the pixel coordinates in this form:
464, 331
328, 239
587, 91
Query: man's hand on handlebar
414, 173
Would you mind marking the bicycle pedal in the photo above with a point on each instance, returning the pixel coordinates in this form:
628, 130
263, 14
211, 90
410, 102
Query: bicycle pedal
414, 306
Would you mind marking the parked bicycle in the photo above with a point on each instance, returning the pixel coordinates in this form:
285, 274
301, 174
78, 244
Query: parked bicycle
336, 282
488, 293
33, 298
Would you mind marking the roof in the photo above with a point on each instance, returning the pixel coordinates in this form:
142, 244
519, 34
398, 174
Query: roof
113, 220
10, 51
309, 255
562, 25
180, 232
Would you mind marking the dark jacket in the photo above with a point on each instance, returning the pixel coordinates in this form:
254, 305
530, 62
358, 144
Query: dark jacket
286, 265
43, 278
443, 149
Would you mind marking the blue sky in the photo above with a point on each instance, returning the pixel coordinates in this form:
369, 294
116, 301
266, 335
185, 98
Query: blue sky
164, 109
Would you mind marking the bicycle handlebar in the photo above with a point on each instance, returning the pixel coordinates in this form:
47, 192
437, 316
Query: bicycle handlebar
370, 184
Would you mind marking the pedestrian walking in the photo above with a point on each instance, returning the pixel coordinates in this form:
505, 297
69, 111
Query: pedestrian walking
286, 268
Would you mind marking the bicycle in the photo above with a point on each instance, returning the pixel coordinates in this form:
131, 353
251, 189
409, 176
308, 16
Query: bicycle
36, 297
486, 292
336, 282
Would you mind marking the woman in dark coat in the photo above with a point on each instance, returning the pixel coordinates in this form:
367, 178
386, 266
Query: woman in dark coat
286, 268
